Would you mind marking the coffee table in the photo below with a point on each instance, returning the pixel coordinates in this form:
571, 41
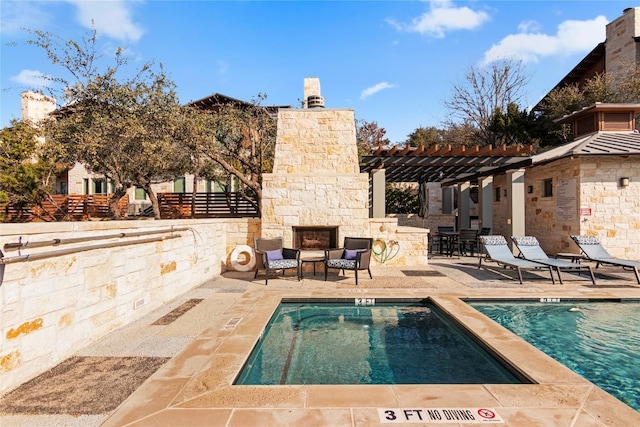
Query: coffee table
313, 257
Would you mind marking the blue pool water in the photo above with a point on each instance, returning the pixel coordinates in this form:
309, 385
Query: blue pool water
598, 340
388, 343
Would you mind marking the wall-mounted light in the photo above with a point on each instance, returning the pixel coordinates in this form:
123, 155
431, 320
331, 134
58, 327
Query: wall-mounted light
624, 182
505, 192
530, 189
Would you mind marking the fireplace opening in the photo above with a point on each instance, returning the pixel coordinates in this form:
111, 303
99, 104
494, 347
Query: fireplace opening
315, 238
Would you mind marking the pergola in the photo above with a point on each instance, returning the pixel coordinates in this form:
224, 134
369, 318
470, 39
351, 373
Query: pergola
444, 164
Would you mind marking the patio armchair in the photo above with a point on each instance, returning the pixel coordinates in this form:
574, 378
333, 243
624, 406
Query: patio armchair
354, 255
272, 256
440, 243
497, 249
530, 249
593, 250
467, 240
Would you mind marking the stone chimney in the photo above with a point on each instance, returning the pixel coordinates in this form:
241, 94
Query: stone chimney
35, 106
316, 179
623, 43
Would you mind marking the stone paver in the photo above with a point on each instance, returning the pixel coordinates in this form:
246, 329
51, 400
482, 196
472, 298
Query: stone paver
209, 343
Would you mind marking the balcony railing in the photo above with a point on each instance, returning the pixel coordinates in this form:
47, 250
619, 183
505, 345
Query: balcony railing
66, 207
207, 205
77, 207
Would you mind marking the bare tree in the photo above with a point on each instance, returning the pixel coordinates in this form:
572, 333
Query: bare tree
484, 91
370, 136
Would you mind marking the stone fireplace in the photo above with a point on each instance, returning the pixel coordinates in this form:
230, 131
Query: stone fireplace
316, 184
315, 238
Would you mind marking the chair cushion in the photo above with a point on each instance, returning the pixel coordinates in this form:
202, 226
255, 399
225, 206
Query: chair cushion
349, 264
350, 253
493, 240
586, 240
274, 255
525, 240
282, 263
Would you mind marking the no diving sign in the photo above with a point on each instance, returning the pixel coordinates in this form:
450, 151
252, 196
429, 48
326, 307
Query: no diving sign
439, 415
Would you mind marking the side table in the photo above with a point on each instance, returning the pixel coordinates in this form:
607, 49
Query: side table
313, 260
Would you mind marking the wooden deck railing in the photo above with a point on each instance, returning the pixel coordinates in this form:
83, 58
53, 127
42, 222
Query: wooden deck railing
62, 207
207, 205
76, 207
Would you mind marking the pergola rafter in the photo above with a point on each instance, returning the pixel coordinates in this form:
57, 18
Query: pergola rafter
443, 164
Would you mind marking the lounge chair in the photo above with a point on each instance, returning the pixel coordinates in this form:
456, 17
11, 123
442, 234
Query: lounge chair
497, 249
530, 250
592, 249
354, 255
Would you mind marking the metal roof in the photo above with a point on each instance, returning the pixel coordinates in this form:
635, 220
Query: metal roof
442, 164
601, 143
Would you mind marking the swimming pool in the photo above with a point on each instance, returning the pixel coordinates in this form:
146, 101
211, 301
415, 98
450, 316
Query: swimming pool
380, 343
598, 340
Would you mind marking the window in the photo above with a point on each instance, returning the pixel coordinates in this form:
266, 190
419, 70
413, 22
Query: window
99, 186
141, 194
496, 195
547, 188
179, 185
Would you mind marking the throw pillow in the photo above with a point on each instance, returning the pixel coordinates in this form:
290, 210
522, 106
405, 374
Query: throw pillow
350, 253
274, 255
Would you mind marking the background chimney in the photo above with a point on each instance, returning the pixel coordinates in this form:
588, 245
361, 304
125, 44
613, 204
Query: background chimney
312, 97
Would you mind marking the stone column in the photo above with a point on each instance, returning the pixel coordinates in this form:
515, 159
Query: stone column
485, 201
516, 204
378, 184
464, 190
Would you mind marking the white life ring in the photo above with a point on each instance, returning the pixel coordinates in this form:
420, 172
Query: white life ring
249, 254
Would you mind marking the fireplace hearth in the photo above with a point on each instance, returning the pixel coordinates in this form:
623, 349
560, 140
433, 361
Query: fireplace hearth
315, 238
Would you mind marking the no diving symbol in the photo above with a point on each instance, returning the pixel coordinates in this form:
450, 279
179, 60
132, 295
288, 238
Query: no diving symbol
486, 414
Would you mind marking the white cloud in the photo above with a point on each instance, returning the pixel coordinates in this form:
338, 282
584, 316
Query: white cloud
375, 89
441, 18
529, 45
32, 78
111, 18
528, 26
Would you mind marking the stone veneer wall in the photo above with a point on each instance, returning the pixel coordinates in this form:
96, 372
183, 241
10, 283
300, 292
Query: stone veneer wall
615, 217
316, 179
53, 307
622, 48
614, 211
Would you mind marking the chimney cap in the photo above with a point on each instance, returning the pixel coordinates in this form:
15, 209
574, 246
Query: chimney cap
315, 101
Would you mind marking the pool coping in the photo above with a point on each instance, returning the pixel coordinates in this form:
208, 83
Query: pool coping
197, 383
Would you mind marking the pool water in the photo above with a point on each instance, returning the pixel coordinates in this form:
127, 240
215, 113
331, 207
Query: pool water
598, 340
388, 343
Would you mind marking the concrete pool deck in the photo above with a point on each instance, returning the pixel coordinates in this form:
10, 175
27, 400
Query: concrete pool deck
208, 344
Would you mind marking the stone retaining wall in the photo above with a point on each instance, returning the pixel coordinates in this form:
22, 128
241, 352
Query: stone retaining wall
53, 307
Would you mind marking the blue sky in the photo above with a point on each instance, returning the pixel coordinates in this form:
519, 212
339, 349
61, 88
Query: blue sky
393, 62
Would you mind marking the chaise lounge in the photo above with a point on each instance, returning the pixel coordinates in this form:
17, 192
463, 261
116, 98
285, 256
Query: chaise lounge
594, 251
530, 250
497, 250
